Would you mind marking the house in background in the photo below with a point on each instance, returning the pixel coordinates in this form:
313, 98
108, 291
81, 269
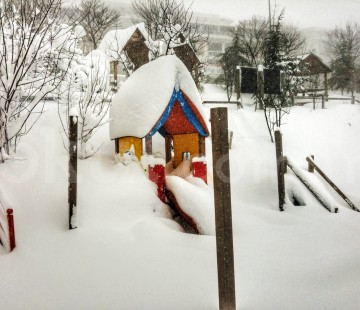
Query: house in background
317, 72
187, 55
127, 50
219, 29
160, 97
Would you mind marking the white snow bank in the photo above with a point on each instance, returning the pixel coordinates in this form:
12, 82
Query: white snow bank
196, 199
143, 98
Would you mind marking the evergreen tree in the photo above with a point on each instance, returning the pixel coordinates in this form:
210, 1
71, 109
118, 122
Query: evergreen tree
273, 44
229, 61
276, 54
343, 45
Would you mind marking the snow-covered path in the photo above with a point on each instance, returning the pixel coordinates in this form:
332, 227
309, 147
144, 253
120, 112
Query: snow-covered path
127, 255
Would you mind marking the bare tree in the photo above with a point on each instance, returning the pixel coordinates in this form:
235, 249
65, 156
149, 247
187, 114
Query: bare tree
251, 35
85, 92
170, 23
35, 51
279, 49
96, 17
343, 45
294, 42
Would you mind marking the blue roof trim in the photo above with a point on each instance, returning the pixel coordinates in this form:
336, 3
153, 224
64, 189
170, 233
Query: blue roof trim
189, 113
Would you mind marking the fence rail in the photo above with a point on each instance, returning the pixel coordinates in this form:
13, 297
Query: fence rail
238, 103
323, 97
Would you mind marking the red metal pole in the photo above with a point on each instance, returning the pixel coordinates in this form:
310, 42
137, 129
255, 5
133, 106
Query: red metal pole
10, 218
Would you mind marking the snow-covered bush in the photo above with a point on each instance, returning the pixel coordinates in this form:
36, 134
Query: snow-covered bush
35, 53
86, 89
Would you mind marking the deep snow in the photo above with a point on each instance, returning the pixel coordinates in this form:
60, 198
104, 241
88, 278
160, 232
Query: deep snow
127, 253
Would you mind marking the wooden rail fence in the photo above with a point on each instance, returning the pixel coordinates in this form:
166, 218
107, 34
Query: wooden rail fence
238, 103
282, 164
312, 166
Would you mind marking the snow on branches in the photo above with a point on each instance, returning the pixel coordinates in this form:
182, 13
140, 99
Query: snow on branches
35, 53
86, 90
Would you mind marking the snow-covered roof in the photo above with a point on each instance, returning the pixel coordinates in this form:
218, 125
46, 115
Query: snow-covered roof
145, 95
304, 56
115, 40
318, 65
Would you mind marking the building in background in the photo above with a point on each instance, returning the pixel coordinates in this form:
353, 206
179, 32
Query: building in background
219, 30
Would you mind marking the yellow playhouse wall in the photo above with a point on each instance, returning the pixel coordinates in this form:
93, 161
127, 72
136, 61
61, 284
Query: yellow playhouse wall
185, 143
125, 145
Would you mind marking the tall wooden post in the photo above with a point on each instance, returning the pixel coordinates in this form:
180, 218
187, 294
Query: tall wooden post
72, 185
261, 85
281, 166
223, 218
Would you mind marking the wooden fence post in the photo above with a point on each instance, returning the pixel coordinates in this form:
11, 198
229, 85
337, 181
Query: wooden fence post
223, 217
322, 101
116, 63
316, 194
72, 183
231, 135
11, 226
261, 85
280, 160
331, 183
237, 82
310, 165
292, 98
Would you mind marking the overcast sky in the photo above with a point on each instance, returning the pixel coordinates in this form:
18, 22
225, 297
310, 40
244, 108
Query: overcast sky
303, 13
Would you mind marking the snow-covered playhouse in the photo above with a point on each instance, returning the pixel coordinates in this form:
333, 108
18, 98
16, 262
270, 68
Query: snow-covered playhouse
160, 96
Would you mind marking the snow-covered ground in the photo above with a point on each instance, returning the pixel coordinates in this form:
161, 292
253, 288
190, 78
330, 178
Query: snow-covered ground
128, 254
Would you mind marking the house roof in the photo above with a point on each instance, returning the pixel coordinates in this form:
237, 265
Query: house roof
187, 54
311, 64
143, 104
115, 41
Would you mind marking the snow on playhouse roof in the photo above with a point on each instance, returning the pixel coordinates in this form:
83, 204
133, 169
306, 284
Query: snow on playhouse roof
141, 103
114, 41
